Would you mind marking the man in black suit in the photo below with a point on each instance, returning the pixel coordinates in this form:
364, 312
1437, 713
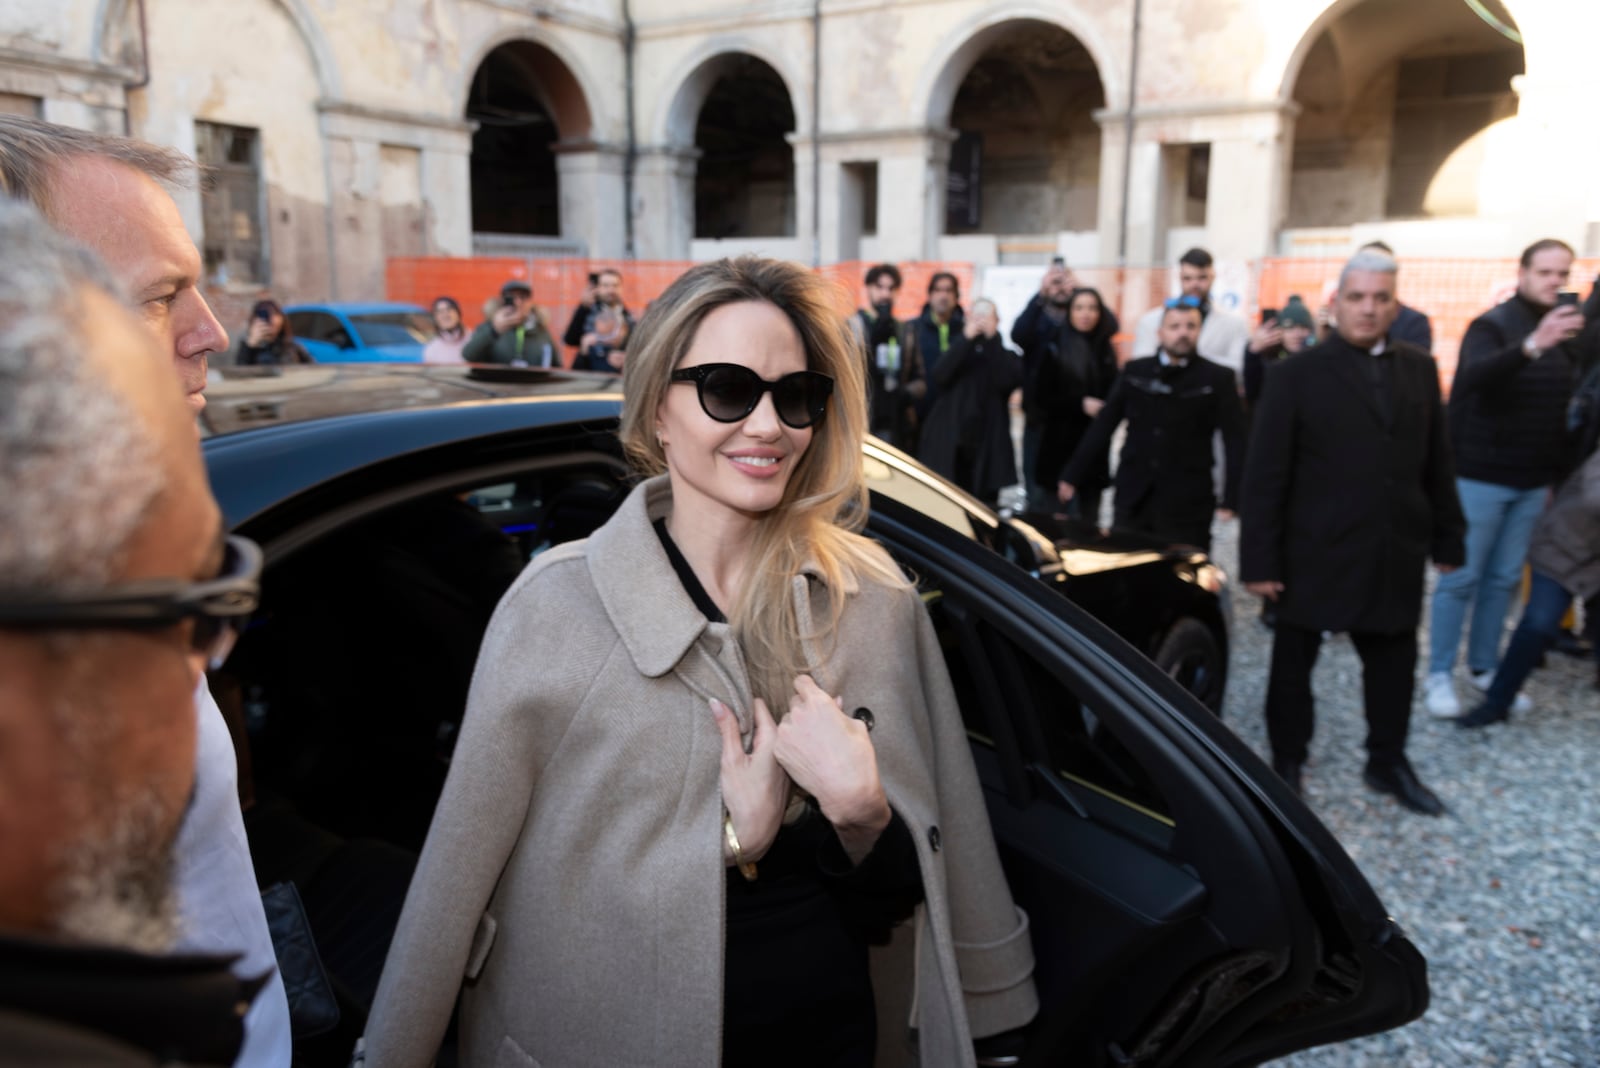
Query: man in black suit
1350, 489
1174, 402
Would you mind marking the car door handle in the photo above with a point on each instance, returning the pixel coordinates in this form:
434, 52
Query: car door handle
1053, 784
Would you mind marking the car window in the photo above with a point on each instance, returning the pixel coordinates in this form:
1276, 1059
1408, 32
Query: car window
317, 326
393, 328
1053, 719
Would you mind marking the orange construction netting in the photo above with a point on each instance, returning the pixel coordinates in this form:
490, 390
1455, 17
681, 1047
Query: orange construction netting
1452, 292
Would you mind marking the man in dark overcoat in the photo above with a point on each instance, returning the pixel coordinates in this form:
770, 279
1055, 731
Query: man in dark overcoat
1349, 490
1174, 402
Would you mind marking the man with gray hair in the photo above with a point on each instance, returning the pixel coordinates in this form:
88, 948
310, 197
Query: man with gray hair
1349, 488
116, 586
111, 194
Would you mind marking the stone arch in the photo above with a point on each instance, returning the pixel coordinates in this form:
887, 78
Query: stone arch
568, 89
1395, 110
111, 20
692, 80
965, 45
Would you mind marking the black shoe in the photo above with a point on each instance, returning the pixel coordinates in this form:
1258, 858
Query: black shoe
1290, 772
1401, 783
1482, 716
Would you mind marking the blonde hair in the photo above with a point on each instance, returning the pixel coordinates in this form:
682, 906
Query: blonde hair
824, 505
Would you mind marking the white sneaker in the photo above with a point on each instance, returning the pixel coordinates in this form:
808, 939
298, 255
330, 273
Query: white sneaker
1439, 691
1482, 680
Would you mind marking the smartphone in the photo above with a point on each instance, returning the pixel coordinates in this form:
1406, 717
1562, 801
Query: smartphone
265, 314
508, 300
1268, 314
594, 278
1567, 298
1058, 261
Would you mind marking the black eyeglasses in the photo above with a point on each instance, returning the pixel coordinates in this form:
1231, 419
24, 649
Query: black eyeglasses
1184, 301
731, 391
219, 606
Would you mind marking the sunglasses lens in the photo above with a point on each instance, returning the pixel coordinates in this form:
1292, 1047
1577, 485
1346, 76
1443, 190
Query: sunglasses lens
800, 398
729, 393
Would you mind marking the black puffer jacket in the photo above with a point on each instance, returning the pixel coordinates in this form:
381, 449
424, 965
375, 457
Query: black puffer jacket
1507, 412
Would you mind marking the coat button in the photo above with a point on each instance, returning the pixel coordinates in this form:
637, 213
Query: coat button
933, 838
865, 716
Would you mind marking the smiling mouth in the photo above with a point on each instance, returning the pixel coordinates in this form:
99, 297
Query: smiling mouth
755, 461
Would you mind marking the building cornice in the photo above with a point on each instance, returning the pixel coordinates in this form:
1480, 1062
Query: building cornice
1200, 109
54, 64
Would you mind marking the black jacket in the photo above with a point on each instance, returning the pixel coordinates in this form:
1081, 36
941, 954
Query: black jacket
1166, 460
1341, 507
581, 323
1040, 336
974, 380
68, 1004
1507, 412
1074, 366
280, 350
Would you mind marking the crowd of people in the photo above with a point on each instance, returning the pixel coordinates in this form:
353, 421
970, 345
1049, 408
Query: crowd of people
721, 622
1328, 434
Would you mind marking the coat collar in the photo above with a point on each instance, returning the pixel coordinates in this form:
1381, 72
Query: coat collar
652, 613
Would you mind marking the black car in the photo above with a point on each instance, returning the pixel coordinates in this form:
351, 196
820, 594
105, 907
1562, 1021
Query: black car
1186, 908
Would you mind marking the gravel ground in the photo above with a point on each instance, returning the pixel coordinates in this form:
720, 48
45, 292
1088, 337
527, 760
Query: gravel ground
1502, 895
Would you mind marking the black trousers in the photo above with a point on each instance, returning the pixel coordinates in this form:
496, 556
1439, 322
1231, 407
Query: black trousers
1388, 674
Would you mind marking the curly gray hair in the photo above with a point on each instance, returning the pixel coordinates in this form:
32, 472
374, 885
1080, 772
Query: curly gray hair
78, 469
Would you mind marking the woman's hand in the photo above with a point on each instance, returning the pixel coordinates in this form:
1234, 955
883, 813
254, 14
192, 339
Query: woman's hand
1092, 406
259, 335
830, 756
754, 788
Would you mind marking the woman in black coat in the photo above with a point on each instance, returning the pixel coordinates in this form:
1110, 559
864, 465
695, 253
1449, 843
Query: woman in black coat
1073, 383
967, 437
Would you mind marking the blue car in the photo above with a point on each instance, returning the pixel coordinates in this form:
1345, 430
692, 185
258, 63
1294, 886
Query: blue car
379, 332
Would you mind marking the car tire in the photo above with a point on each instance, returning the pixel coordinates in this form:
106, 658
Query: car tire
1192, 655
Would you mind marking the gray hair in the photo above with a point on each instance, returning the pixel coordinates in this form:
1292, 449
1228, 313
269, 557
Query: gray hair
78, 470
31, 149
1368, 259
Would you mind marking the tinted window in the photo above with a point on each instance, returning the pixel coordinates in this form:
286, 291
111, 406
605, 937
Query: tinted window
393, 328
318, 326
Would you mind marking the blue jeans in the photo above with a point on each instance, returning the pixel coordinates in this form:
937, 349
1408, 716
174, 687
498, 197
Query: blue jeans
1499, 523
1548, 602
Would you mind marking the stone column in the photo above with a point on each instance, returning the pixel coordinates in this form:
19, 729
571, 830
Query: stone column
663, 202
590, 176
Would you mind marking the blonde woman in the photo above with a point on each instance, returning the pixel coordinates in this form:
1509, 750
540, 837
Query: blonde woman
663, 840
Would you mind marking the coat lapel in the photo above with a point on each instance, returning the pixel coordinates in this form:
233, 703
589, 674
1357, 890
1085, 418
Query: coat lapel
1347, 365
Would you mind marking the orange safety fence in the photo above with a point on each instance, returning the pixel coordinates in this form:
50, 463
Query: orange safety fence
1451, 292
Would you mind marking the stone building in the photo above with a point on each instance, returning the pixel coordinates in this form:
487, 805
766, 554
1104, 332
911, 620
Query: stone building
342, 132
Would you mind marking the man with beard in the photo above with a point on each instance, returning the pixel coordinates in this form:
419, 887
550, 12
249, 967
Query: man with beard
1223, 335
116, 586
894, 373
932, 333
1174, 403
1350, 489
1508, 411
110, 193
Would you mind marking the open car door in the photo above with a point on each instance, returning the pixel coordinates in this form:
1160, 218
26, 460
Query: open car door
1186, 908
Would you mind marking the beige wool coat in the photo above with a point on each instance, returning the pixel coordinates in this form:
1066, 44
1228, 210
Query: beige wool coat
572, 882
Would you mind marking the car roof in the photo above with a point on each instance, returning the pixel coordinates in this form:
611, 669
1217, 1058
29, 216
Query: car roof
375, 307
251, 399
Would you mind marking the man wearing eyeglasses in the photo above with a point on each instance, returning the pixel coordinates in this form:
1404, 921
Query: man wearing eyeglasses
1174, 402
111, 193
116, 586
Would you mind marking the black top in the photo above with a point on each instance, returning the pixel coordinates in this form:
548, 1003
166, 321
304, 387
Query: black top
796, 989
76, 1004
